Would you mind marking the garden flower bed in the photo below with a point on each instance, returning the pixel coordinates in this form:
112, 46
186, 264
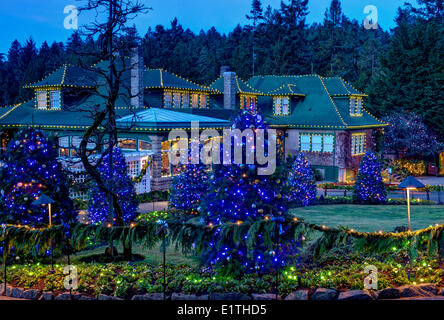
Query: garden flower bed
127, 280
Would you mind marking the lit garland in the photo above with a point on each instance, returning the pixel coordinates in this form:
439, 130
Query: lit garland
193, 234
143, 171
414, 167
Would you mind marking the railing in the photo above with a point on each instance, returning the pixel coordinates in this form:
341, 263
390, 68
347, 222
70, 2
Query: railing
347, 190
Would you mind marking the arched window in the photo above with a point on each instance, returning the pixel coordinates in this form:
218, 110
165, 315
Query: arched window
128, 144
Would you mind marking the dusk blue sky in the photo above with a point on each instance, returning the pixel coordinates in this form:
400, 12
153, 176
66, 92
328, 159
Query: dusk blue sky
43, 20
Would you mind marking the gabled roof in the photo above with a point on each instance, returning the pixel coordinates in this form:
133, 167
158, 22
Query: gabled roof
161, 79
241, 86
167, 119
319, 108
66, 76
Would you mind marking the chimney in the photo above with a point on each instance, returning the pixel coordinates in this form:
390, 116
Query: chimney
137, 87
224, 69
229, 90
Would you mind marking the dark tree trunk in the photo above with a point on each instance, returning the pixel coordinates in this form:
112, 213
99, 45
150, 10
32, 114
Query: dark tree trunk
127, 251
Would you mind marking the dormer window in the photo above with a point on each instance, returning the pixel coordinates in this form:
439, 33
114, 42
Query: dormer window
42, 100
356, 106
281, 106
176, 102
168, 96
203, 101
55, 99
194, 100
248, 102
49, 100
185, 100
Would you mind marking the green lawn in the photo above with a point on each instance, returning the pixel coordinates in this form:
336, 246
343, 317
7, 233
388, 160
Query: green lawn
152, 256
368, 218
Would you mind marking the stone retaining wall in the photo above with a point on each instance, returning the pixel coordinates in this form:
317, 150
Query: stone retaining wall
422, 291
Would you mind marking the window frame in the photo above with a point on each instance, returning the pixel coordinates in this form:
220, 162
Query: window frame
185, 102
247, 100
45, 92
122, 139
332, 143
177, 96
355, 106
321, 144
358, 144
301, 143
168, 99
142, 141
283, 107
203, 103
51, 100
194, 101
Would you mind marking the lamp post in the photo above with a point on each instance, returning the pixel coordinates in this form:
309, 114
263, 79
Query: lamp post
42, 200
410, 183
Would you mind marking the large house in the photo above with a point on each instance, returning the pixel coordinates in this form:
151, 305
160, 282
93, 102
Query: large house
323, 117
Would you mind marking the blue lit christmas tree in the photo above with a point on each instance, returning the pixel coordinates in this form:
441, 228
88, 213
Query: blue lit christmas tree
369, 187
238, 194
189, 188
302, 182
31, 169
120, 183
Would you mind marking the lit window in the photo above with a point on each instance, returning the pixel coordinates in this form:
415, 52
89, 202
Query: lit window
277, 105
70, 145
358, 144
281, 105
128, 144
185, 100
75, 141
42, 100
252, 103
64, 142
64, 146
248, 102
285, 105
352, 105
166, 170
165, 159
144, 145
328, 144
168, 99
305, 142
194, 100
64, 152
176, 103
55, 99
356, 106
316, 143
203, 101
